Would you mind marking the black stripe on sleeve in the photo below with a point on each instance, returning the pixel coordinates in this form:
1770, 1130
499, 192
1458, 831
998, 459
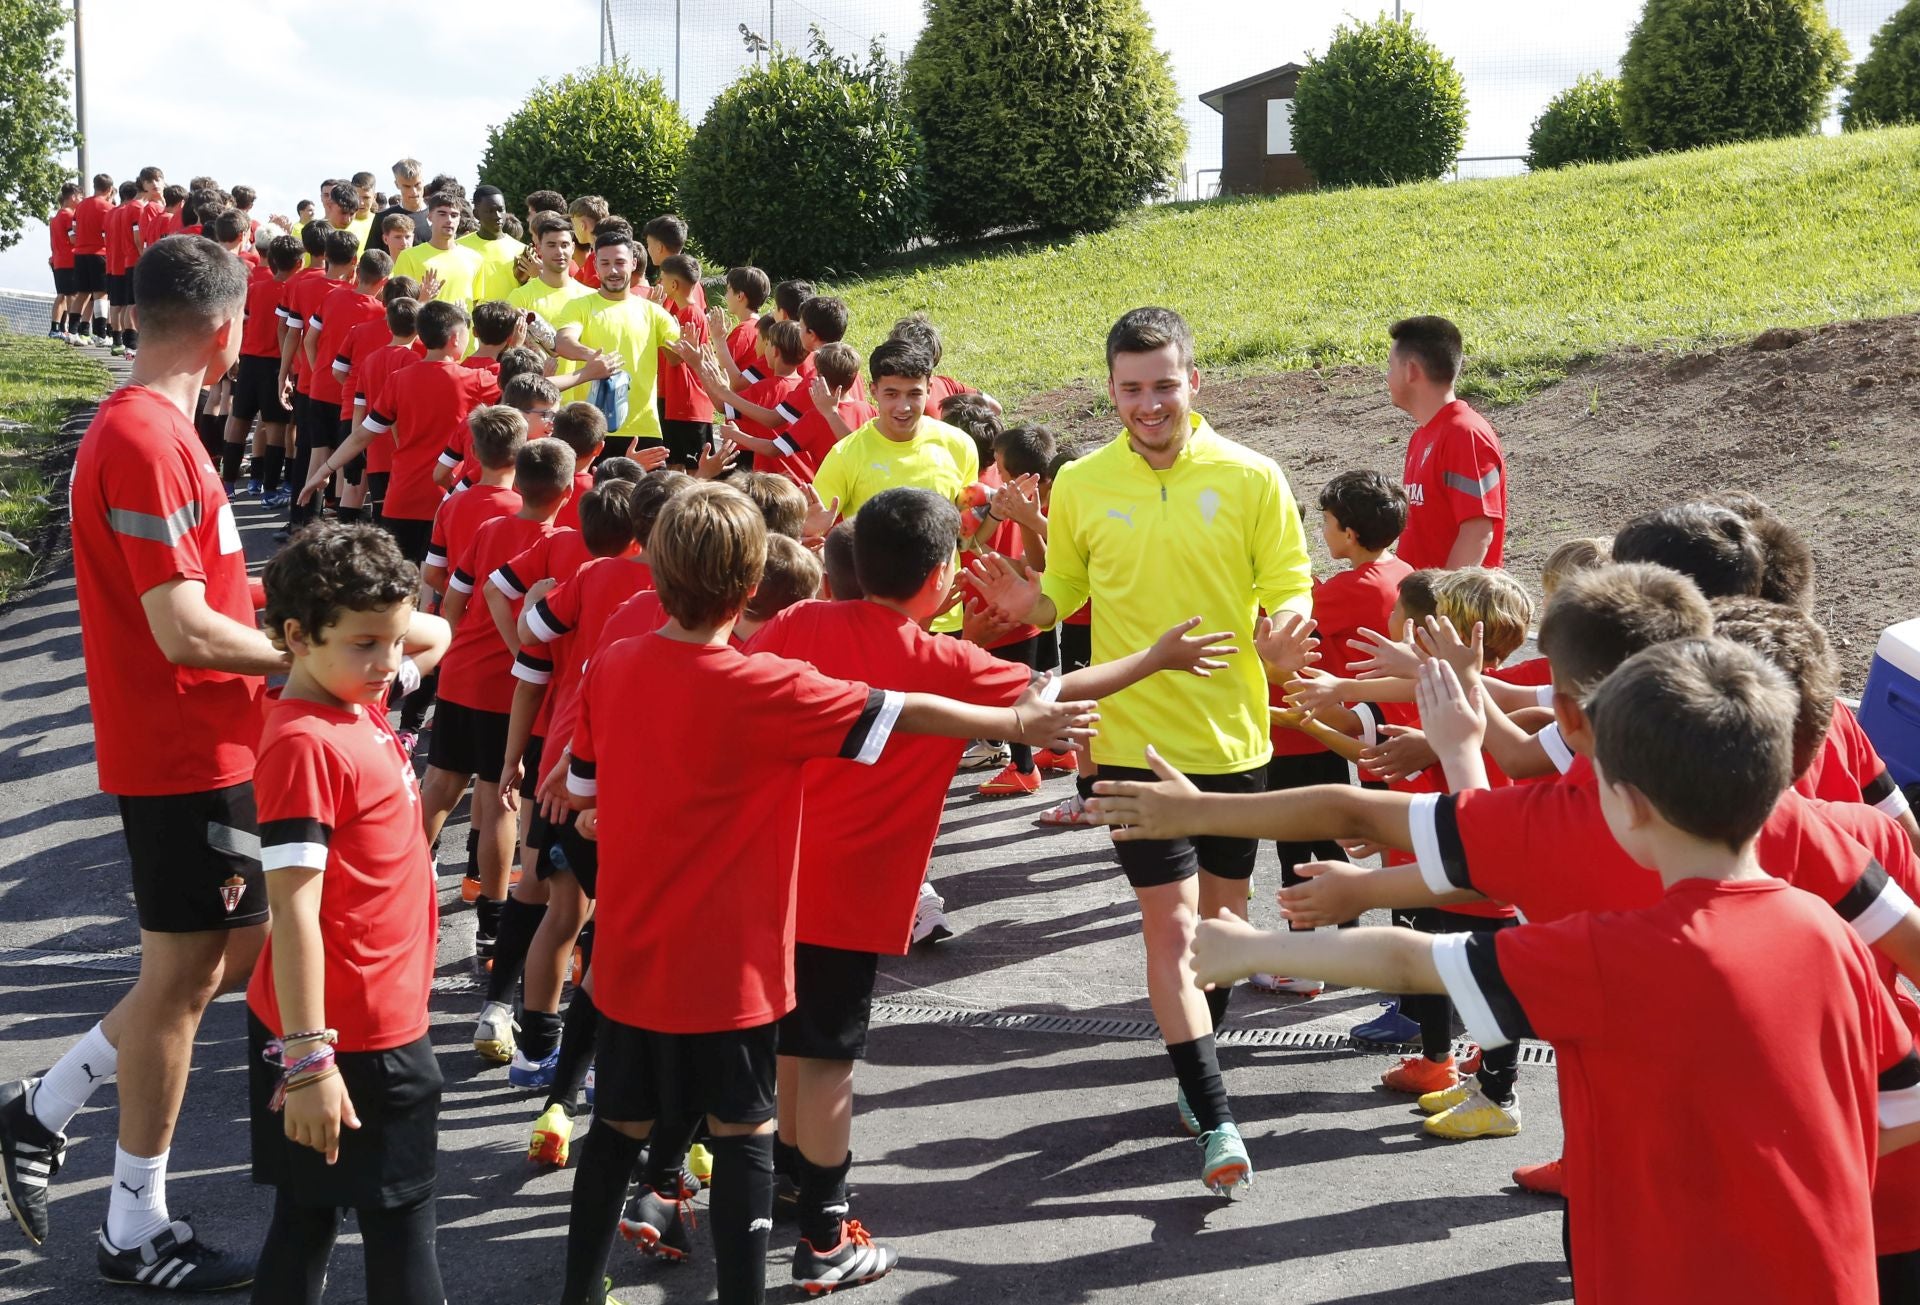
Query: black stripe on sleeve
1879, 789
507, 582
1865, 892
298, 830
871, 731
549, 620
1453, 852
1483, 959
1902, 1076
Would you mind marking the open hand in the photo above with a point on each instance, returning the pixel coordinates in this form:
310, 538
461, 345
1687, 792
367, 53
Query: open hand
1453, 716
1441, 640
1329, 894
552, 793
429, 285
1382, 657
1220, 950
1003, 586
1196, 654
1058, 726
1286, 645
1139, 809
653, 455
1315, 691
1403, 754
820, 516
717, 461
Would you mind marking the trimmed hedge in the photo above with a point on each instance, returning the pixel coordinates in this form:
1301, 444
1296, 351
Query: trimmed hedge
1382, 105
1886, 85
1580, 125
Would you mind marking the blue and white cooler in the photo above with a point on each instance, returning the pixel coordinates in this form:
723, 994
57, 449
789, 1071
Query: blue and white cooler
1890, 708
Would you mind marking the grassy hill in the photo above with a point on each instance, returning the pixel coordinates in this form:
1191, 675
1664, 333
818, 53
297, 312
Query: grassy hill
1539, 270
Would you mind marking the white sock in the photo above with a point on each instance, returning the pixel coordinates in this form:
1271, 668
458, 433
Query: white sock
58, 1096
138, 1207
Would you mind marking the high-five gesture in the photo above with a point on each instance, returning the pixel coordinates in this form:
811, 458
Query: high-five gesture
1196, 654
1056, 725
1286, 645
1003, 586
1138, 810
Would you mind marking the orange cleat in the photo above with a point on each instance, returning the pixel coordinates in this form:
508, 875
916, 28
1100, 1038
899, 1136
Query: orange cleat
1048, 759
1418, 1076
1549, 1179
470, 888
1011, 783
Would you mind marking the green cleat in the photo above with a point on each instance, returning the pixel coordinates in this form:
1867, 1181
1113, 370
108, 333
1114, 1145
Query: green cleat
1226, 1165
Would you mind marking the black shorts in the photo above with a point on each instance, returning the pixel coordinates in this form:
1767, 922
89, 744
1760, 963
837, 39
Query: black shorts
196, 860
641, 1075
256, 390
1076, 647
322, 428
1153, 862
377, 490
412, 536
390, 1160
469, 741
833, 1003
90, 274
567, 852
687, 441
530, 766
120, 289
65, 281
297, 415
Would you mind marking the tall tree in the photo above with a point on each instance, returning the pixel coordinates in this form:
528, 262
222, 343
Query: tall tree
36, 124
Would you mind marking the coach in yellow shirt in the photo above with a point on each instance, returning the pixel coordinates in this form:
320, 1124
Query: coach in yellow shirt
631, 326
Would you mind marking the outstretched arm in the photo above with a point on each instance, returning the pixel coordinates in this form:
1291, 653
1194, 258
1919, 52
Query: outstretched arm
1391, 960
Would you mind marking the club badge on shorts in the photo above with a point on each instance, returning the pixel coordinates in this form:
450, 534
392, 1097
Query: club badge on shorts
230, 891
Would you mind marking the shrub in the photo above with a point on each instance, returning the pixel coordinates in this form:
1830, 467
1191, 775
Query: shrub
1042, 113
607, 131
1382, 105
1710, 72
1886, 85
809, 167
1580, 125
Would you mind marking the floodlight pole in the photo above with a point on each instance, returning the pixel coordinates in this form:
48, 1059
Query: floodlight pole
80, 89
676, 53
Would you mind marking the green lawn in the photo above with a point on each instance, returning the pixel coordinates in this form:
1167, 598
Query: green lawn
41, 383
1539, 270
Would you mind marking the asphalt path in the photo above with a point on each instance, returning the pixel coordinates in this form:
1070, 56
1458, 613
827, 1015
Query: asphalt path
1015, 1137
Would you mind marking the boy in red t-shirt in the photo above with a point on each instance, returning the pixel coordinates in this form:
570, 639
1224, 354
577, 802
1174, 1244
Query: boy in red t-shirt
345, 1089
686, 412
1456, 471
919, 329
871, 834
66, 318
90, 255
759, 408
121, 253
583, 428
718, 831
333, 320
747, 289
1789, 1219
256, 386
376, 350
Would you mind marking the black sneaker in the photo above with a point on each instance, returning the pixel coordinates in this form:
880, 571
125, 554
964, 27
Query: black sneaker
654, 1225
174, 1259
854, 1261
689, 1185
29, 1155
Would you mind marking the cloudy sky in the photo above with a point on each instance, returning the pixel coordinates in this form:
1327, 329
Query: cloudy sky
266, 95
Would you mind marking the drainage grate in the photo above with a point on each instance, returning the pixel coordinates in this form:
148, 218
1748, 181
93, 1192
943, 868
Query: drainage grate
109, 962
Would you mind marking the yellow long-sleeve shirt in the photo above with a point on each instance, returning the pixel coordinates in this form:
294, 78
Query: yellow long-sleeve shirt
1217, 535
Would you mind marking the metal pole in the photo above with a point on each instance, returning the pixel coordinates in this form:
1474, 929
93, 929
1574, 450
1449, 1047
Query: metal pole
676, 53
80, 91
603, 31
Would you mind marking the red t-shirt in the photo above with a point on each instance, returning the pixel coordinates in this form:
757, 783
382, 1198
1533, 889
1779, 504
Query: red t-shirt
423, 405
868, 834
459, 520
743, 342
338, 314
165, 223
576, 612
786, 395
121, 251
1533, 672
146, 508
568, 518
299, 302
250, 257
260, 332
556, 556
60, 233
478, 670
1723, 1140
366, 378
807, 440
90, 224
1848, 769
151, 224
336, 793
1345, 603
942, 388
1455, 471
696, 831
682, 396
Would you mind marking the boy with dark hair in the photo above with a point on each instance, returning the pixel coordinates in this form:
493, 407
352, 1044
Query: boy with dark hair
447, 270
681, 1043
90, 254
498, 251
1787, 576
315, 427
256, 389
837, 561
919, 329
823, 320
765, 406
1456, 471
586, 212
244, 198
620, 323
686, 412
332, 322
350, 364
497, 327
345, 1116
541, 202
148, 227
548, 291
175, 666
66, 318
666, 236
747, 289
122, 251
378, 358
1711, 544
903, 554
496, 434
788, 296
792, 576
583, 428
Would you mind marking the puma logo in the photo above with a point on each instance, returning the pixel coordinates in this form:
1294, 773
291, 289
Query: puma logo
1118, 515
134, 1192
88, 1071
760, 1225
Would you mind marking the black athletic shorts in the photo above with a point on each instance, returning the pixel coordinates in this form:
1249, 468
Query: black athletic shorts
90, 274
1076, 647
377, 491
322, 428
120, 289
196, 860
256, 390
833, 1003
390, 1160
566, 851
1153, 862
469, 741
530, 767
641, 1075
297, 419
412, 535
687, 441
65, 281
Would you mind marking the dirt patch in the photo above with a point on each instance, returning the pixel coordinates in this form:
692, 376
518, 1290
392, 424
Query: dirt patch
1821, 424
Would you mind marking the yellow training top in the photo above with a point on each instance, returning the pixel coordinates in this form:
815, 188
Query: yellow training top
1217, 535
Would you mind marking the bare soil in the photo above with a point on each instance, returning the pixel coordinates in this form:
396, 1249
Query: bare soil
1820, 423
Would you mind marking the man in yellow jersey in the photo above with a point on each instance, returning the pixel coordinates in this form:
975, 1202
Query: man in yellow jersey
547, 294
454, 268
1167, 521
496, 248
901, 446
615, 320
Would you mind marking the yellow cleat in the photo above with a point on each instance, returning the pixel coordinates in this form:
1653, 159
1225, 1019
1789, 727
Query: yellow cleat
1477, 1116
1445, 1099
551, 1134
700, 1164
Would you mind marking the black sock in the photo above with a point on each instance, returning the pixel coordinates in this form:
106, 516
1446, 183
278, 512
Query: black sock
539, 1029
473, 852
270, 466
823, 1200
742, 1215
212, 435
1217, 1005
230, 455
72, 323
1083, 785
114, 335
786, 1160
486, 912
666, 1148
599, 1190
132, 336
1434, 1014
1022, 757
347, 514
100, 328
513, 934
1197, 1065
577, 1033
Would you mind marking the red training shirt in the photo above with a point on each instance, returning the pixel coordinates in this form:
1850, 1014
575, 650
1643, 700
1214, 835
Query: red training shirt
336, 317
423, 405
60, 234
1455, 471
121, 251
90, 224
804, 442
260, 330
682, 396
366, 377
478, 670
1848, 768
459, 520
1346, 602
